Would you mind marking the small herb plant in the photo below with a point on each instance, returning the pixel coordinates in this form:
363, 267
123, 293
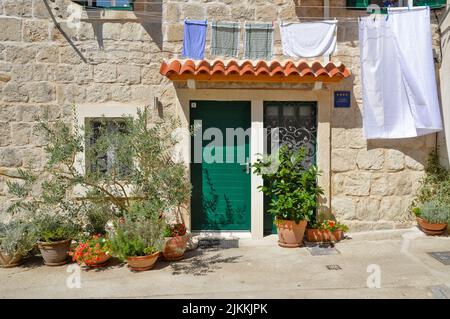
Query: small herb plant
433, 212
175, 230
292, 187
91, 251
16, 238
54, 227
139, 233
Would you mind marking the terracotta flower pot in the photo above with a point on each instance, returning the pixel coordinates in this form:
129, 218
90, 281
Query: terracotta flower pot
290, 234
323, 235
175, 247
430, 228
101, 261
55, 253
142, 263
10, 261
338, 235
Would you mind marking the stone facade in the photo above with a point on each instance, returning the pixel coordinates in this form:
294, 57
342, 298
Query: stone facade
115, 56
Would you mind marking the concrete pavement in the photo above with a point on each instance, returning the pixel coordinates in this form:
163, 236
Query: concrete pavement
395, 261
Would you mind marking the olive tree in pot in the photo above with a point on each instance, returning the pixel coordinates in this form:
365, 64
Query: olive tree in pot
138, 238
16, 241
292, 188
129, 160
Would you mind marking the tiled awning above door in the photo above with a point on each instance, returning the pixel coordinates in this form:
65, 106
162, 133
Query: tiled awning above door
248, 71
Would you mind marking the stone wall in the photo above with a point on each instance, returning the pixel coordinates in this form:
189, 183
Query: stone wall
444, 77
115, 56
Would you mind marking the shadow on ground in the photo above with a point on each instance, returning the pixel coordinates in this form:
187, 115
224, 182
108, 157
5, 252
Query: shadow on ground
197, 263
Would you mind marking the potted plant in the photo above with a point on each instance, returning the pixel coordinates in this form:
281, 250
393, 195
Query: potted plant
326, 231
138, 238
176, 239
432, 217
55, 234
16, 241
292, 187
94, 252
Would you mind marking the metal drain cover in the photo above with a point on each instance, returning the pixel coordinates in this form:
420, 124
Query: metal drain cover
334, 267
322, 251
440, 292
442, 256
218, 242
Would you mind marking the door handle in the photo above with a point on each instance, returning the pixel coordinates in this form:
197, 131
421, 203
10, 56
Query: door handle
247, 167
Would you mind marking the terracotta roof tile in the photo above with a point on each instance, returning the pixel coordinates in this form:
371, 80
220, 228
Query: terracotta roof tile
233, 70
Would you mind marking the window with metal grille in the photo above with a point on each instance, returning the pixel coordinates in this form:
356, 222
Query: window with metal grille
107, 4
104, 153
363, 4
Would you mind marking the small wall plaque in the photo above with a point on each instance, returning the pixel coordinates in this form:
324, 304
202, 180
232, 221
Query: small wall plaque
342, 98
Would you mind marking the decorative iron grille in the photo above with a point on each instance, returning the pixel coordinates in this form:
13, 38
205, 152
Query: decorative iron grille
296, 123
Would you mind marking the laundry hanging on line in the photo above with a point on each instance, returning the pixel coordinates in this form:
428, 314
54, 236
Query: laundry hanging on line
258, 41
194, 39
225, 39
308, 39
400, 97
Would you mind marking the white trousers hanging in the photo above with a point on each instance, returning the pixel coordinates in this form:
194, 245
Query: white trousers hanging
398, 77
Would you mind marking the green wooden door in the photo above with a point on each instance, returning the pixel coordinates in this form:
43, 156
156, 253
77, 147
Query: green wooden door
220, 178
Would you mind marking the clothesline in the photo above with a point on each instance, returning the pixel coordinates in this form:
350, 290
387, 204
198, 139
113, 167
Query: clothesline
296, 6
157, 18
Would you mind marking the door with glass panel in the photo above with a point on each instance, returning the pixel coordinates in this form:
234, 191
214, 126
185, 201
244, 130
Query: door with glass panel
297, 126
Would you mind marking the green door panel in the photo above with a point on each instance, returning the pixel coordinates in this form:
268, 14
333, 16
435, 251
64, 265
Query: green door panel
221, 189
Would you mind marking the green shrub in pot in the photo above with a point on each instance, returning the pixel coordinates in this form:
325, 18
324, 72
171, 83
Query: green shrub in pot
432, 217
55, 233
293, 192
434, 212
16, 241
139, 237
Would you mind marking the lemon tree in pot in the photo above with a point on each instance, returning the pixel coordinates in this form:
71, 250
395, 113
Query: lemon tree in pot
291, 184
16, 241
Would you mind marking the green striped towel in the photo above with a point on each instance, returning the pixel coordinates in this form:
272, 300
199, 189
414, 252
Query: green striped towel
225, 39
258, 41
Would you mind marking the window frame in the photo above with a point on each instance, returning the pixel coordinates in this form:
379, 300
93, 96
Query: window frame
99, 110
357, 4
89, 121
84, 3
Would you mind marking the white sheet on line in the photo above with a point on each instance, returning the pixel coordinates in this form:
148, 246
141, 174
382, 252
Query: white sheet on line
308, 39
398, 77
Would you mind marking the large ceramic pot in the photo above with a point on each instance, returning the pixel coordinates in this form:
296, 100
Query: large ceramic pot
55, 253
8, 261
323, 235
290, 234
430, 228
175, 247
142, 263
